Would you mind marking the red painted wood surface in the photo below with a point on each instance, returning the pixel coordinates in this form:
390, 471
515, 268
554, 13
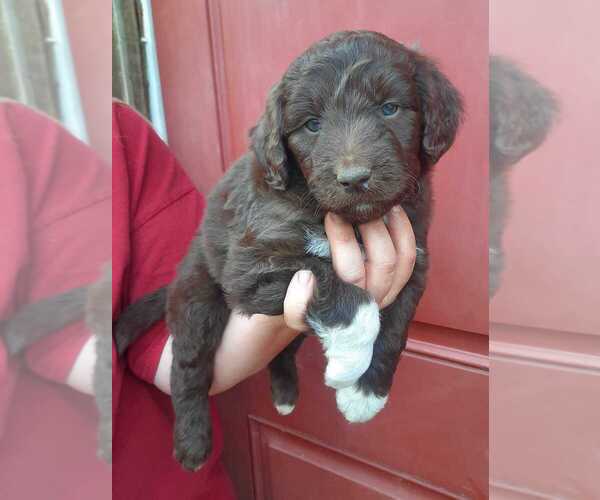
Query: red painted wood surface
552, 238
218, 60
433, 433
545, 339
184, 53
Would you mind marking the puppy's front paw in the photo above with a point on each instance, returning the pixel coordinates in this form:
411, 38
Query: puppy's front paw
357, 406
192, 458
343, 370
349, 347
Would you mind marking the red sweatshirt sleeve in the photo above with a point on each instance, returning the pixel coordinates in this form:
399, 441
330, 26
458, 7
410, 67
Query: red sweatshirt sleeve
14, 249
156, 212
60, 197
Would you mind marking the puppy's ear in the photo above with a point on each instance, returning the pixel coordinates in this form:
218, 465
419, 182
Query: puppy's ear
267, 141
522, 113
442, 109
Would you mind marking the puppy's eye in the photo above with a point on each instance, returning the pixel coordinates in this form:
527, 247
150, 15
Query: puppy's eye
389, 109
313, 125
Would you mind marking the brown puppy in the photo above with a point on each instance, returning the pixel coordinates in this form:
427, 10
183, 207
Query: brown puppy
522, 113
353, 127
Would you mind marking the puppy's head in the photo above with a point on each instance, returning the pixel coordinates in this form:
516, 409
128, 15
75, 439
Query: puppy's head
522, 112
362, 117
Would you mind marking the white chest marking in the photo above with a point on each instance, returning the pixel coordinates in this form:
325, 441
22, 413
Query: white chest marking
316, 244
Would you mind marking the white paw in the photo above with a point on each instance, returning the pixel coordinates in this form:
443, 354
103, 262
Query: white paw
349, 348
284, 409
343, 370
357, 406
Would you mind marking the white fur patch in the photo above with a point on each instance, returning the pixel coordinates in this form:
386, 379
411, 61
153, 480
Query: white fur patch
317, 244
358, 407
285, 409
349, 349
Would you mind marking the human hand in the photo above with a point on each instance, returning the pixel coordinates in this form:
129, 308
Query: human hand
390, 254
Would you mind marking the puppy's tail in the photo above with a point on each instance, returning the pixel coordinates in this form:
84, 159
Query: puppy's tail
39, 319
139, 317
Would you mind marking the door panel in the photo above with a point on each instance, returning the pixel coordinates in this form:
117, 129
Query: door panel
545, 335
293, 466
433, 431
551, 239
188, 88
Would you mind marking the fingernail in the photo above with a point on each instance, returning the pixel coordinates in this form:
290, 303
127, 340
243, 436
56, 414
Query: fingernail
397, 209
304, 276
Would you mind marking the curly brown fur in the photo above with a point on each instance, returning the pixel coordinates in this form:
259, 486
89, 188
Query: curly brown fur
360, 161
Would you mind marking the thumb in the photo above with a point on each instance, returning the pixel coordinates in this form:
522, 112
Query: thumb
299, 292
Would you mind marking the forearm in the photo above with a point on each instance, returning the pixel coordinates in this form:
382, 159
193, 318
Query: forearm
248, 345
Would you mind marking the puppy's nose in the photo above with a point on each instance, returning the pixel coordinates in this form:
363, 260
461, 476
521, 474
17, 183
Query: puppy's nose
354, 177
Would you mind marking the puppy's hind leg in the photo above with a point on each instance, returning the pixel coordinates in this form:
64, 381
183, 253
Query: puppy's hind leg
196, 316
284, 377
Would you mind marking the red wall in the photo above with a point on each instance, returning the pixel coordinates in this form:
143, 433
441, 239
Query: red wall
545, 335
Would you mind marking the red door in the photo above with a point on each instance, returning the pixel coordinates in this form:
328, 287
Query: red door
545, 330
218, 60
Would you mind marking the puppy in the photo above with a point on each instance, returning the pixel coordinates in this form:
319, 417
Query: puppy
354, 127
522, 113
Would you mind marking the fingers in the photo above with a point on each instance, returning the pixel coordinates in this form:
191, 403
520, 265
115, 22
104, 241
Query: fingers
345, 251
391, 255
381, 258
403, 238
297, 297
390, 250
